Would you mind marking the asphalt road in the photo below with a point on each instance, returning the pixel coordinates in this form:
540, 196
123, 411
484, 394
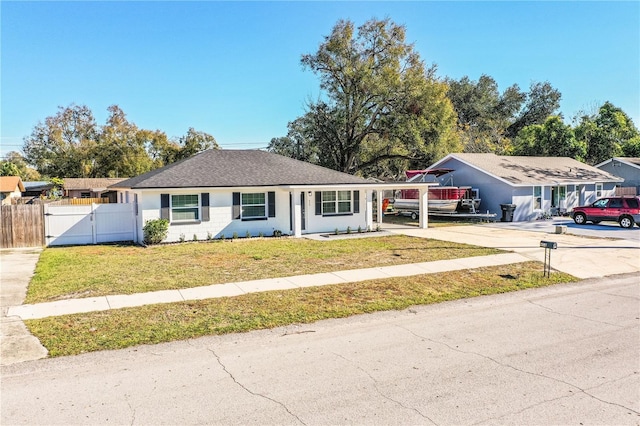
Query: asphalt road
568, 354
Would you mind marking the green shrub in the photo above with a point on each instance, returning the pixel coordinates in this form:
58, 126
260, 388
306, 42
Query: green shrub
234, 236
155, 231
182, 238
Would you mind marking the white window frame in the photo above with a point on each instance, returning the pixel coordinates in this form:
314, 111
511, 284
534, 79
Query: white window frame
599, 190
264, 205
537, 199
185, 208
336, 202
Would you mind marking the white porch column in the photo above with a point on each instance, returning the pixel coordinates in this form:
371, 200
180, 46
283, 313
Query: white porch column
380, 212
369, 210
297, 214
424, 209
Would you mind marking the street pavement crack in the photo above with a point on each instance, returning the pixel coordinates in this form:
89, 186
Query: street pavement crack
554, 399
624, 296
584, 391
224, 368
572, 315
133, 410
375, 385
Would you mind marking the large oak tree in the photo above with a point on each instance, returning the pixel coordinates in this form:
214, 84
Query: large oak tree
379, 102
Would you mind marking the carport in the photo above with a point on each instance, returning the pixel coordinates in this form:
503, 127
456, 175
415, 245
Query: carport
423, 189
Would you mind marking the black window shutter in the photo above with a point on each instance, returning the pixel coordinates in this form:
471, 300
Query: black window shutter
356, 201
204, 202
164, 206
235, 212
291, 211
318, 202
272, 203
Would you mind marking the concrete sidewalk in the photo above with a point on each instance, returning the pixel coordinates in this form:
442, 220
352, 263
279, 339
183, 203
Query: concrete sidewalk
103, 303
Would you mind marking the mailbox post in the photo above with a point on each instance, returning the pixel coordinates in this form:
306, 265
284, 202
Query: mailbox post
548, 246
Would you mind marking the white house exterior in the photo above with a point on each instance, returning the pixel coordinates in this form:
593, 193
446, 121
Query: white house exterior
249, 192
627, 168
535, 185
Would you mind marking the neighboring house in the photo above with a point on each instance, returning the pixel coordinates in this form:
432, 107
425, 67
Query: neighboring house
628, 168
36, 188
11, 188
225, 192
536, 185
90, 188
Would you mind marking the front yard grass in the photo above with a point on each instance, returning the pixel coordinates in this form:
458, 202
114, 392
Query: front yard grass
89, 271
116, 329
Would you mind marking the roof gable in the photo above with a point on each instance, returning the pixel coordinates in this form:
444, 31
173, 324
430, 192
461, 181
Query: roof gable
519, 170
238, 168
10, 183
629, 161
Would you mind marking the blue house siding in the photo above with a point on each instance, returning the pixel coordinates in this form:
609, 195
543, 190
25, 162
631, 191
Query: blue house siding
630, 174
560, 190
493, 191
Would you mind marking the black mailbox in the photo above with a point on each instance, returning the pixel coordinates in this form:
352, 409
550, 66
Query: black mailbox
549, 244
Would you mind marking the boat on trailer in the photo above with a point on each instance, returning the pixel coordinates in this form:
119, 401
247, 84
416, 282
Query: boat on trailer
444, 199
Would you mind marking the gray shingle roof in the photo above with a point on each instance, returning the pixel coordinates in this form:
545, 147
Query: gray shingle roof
536, 170
631, 160
237, 168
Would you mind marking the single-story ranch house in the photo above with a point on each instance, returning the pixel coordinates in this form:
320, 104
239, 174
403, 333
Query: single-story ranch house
225, 192
90, 188
535, 185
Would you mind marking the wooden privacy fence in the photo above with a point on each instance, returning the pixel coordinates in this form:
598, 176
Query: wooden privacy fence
80, 201
625, 190
22, 226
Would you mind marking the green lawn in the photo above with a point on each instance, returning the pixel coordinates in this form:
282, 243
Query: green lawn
74, 334
88, 271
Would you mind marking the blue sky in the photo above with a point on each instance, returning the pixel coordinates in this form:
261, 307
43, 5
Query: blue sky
232, 69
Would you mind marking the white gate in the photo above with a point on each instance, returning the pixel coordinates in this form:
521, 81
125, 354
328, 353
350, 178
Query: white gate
89, 224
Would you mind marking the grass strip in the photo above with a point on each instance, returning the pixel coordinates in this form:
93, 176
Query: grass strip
90, 271
116, 329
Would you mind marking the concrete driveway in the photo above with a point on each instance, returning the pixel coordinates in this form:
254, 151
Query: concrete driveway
16, 343
583, 256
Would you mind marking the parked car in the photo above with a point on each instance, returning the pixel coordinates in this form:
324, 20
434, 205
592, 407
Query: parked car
624, 210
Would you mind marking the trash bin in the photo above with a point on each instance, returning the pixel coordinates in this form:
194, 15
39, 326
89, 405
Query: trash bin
507, 212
